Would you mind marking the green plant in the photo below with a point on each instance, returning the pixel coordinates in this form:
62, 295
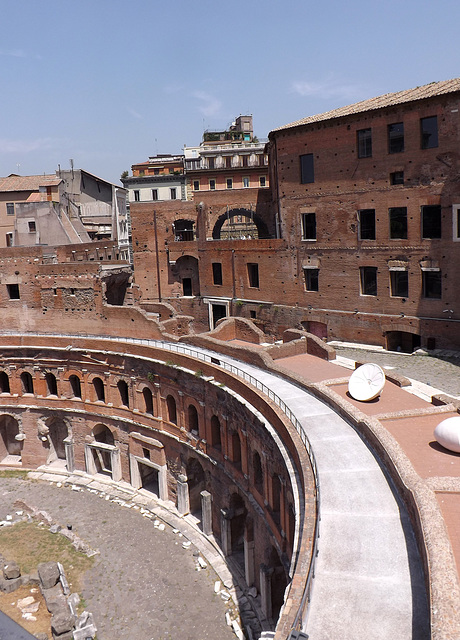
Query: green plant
199, 373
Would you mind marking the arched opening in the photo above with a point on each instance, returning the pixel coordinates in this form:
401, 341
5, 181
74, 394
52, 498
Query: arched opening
216, 440
9, 445
99, 389
172, 411
258, 476
239, 224
186, 271
148, 400
402, 341
4, 382
196, 484
279, 582
238, 513
27, 382
58, 431
75, 386
102, 457
318, 329
236, 449
51, 384
193, 425
103, 434
123, 391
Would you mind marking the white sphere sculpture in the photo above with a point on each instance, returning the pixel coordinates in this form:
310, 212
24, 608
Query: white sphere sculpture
447, 433
366, 382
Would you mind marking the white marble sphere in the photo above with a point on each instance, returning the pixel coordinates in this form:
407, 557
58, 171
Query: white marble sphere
447, 433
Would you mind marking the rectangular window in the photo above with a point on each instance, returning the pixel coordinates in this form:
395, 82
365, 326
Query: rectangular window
253, 275
262, 161
10, 208
398, 223
431, 283
368, 278
366, 228
32, 227
308, 226
429, 132
137, 196
262, 181
13, 291
154, 194
212, 184
397, 177
211, 163
311, 279
307, 172
9, 239
229, 183
364, 137
228, 162
217, 272
244, 161
396, 137
245, 182
173, 193
196, 185
431, 221
399, 284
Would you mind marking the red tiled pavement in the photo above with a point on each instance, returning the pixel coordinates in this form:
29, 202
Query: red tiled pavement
313, 368
450, 505
392, 398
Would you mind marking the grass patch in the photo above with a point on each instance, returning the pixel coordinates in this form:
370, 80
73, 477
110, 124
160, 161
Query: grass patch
28, 544
13, 473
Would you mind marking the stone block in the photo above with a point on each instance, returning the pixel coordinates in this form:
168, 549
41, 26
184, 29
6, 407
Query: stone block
55, 599
62, 622
8, 586
85, 632
48, 573
11, 570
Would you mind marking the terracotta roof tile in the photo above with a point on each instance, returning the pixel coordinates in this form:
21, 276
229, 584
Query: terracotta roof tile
28, 183
387, 100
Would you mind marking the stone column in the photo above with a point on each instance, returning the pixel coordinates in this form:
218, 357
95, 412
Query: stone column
206, 512
69, 454
116, 465
183, 500
89, 460
225, 532
266, 590
248, 559
134, 472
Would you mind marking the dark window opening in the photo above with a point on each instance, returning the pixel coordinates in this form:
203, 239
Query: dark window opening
148, 400
399, 284
154, 194
398, 223
431, 221
193, 425
99, 389
229, 183
429, 132
215, 433
10, 208
364, 137
173, 192
172, 411
252, 314
4, 382
32, 226
212, 184
211, 163
75, 386
311, 279
184, 230
219, 311
368, 277
307, 171
51, 384
146, 453
13, 291
217, 273
137, 196
308, 226
366, 224
187, 287
396, 137
432, 284
253, 274
258, 473
397, 177
27, 382
196, 185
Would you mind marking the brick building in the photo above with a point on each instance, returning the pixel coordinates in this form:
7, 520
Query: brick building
357, 241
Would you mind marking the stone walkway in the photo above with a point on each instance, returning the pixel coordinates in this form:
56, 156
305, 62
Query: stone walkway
144, 584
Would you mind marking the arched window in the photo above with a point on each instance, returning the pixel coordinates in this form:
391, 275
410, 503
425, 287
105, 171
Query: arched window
148, 400
103, 434
172, 411
216, 441
99, 389
236, 449
257, 471
4, 382
75, 386
27, 382
192, 419
123, 390
276, 495
51, 384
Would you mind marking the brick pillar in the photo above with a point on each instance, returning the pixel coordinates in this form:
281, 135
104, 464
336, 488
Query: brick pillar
206, 512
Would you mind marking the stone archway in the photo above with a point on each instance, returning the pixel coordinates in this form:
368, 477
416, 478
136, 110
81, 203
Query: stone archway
187, 272
239, 224
196, 484
10, 445
57, 433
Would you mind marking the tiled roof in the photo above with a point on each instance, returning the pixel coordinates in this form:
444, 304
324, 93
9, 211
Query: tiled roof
387, 100
28, 183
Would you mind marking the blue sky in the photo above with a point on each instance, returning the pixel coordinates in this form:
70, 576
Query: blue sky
110, 82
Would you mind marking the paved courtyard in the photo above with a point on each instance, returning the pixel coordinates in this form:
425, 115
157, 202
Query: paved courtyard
144, 584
